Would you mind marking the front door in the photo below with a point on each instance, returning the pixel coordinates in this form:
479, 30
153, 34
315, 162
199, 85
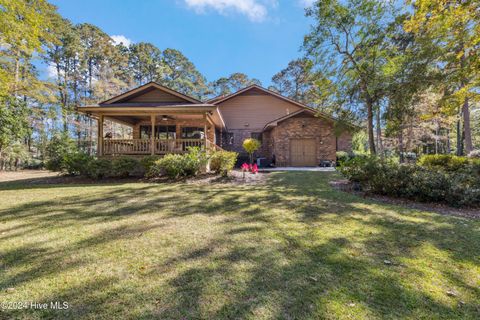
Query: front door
303, 152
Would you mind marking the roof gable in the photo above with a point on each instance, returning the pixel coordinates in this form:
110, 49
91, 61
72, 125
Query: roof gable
256, 90
152, 92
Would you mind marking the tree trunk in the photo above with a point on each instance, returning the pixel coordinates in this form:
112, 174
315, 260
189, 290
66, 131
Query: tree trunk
448, 141
379, 133
400, 146
371, 138
459, 138
17, 74
466, 127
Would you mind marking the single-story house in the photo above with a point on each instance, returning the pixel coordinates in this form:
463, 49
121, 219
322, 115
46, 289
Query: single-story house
166, 121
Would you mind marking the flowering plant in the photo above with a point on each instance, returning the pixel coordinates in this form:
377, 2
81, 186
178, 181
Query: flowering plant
249, 167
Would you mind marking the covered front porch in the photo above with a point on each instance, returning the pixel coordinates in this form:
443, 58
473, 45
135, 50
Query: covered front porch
156, 133
161, 120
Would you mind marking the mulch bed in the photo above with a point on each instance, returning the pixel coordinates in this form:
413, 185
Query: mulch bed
40, 177
234, 177
347, 186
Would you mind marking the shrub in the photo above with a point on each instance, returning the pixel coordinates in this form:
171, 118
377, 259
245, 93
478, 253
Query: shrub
76, 163
14, 156
123, 167
148, 162
194, 161
460, 187
251, 145
99, 168
427, 185
445, 162
175, 165
34, 164
57, 151
171, 165
222, 162
360, 169
342, 156
464, 189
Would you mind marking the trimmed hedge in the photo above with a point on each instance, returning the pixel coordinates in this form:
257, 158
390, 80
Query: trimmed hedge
175, 166
443, 162
171, 165
455, 186
222, 162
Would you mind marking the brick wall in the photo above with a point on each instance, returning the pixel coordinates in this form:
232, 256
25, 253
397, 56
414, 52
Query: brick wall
277, 141
302, 128
344, 141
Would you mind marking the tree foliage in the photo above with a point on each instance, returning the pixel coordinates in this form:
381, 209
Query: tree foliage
348, 39
232, 83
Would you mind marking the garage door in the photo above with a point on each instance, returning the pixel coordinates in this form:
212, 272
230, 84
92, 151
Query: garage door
303, 152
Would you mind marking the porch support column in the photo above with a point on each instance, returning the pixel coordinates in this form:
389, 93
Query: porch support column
152, 137
205, 133
100, 135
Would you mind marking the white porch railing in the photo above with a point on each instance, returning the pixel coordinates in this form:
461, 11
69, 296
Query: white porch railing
143, 146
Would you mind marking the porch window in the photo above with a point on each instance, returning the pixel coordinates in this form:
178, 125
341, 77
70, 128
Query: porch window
192, 133
161, 132
165, 132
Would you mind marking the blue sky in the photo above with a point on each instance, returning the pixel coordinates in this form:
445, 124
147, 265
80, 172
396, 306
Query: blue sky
256, 37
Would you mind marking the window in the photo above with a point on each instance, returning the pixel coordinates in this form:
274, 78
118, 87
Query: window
228, 138
145, 132
256, 135
161, 132
165, 132
192, 133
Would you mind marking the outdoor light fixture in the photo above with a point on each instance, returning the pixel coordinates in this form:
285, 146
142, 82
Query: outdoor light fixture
164, 118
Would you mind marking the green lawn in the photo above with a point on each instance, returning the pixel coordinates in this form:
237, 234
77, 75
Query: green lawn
292, 248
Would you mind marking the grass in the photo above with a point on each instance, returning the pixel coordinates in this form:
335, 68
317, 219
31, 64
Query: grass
290, 249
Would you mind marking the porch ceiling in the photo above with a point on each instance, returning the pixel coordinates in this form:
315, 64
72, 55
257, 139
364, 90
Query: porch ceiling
134, 119
130, 115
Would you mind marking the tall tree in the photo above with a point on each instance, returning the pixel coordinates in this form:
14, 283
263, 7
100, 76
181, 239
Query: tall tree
454, 26
63, 58
351, 34
407, 74
25, 29
145, 62
181, 74
296, 81
232, 83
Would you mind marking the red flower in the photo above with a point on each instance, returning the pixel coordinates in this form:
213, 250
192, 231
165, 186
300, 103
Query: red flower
254, 168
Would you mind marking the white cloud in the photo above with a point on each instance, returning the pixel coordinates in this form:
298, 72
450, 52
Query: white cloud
256, 11
51, 71
306, 3
117, 39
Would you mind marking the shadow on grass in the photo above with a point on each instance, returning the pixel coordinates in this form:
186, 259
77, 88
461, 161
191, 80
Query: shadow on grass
291, 249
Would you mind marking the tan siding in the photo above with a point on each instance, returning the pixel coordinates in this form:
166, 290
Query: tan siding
157, 95
255, 110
